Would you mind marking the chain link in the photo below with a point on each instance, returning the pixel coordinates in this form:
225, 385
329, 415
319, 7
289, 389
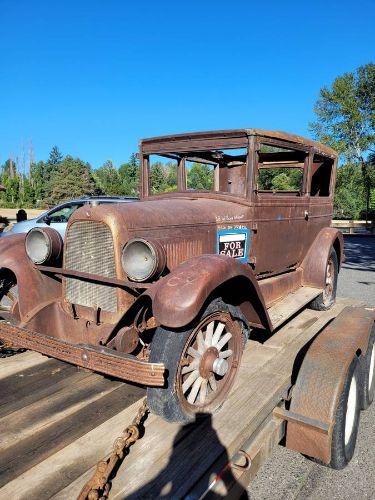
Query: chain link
97, 488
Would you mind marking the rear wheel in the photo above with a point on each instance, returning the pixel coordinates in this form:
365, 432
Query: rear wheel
345, 431
368, 373
327, 298
201, 362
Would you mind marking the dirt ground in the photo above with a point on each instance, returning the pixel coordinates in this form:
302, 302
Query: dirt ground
10, 213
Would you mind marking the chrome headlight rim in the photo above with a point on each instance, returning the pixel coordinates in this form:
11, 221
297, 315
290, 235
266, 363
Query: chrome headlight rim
157, 255
53, 245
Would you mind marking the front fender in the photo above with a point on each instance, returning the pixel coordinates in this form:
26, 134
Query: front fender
314, 264
34, 288
178, 298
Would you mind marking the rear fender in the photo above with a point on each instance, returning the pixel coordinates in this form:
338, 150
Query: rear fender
321, 378
314, 264
178, 298
34, 288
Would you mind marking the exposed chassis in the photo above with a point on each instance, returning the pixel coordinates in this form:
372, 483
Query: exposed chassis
99, 359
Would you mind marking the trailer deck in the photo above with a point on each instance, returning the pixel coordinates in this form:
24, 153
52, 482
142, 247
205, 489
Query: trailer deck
56, 422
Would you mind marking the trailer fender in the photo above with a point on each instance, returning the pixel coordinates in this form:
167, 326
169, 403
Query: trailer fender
14, 258
314, 264
178, 298
320, 381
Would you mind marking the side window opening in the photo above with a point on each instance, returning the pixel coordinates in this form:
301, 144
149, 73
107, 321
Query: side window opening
280, 170
321, 176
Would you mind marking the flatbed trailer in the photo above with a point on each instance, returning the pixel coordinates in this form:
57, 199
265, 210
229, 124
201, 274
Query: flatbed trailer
57, 422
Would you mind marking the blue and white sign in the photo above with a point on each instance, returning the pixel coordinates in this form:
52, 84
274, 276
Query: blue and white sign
233, 242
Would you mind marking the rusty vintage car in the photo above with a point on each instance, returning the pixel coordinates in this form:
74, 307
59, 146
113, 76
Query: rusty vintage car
165, 291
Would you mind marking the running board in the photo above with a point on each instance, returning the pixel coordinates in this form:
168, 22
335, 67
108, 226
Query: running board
292, 303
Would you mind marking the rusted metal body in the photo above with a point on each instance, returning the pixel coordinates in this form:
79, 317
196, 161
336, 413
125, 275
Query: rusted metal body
286, 241
320, 381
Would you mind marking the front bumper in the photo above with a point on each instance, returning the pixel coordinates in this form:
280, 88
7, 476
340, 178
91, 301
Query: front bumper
97, 358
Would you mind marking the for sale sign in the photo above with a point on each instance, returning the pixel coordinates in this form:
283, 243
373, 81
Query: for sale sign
233, 242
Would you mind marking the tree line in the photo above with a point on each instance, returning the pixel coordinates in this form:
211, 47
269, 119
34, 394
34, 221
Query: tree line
61, 178
345, 120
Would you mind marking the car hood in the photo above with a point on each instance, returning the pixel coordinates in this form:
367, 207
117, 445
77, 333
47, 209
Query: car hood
168, 212
20, 227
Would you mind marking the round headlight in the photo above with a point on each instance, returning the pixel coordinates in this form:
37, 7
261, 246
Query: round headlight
142, 260
43, 245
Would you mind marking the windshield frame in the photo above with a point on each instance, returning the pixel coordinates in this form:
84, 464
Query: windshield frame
182, 156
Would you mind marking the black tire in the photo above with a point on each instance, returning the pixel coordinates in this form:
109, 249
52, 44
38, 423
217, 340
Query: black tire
326, 299
168, 347
345, 430
367, 391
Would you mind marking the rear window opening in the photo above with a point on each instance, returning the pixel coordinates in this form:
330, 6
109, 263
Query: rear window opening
321, 176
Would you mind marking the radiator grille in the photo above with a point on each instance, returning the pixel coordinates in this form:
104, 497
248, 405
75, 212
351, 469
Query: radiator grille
89, 248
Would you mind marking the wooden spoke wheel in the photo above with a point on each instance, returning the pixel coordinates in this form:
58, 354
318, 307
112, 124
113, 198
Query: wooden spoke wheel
209, 362
327, 298
330, 278
201, 362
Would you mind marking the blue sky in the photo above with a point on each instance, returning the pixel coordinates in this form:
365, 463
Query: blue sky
94, 76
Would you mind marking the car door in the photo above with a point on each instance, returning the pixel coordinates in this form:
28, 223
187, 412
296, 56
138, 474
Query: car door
280, 207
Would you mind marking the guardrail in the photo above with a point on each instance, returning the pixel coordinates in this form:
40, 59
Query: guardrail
354, 226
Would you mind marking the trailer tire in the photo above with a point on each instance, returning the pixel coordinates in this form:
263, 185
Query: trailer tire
170, 347
345, 430
327, 298
367, 391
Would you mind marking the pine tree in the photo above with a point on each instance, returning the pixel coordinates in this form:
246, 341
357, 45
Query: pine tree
129, 176
72, 179
50, 168
108, 179
200, 176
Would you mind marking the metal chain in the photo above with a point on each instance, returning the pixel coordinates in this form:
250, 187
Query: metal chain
97, 488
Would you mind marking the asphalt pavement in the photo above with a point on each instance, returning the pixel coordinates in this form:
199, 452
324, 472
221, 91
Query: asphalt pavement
288, 475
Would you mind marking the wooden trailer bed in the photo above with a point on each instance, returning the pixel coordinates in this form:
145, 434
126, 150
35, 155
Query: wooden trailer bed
56, 422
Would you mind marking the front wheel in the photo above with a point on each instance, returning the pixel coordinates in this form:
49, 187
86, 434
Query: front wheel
201, 362
8, 296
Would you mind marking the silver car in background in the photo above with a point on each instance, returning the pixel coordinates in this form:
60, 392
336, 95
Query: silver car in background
58, 217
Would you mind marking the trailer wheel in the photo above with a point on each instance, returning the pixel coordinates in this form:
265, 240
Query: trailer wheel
345, 430
201, 361
327, 298
368, 373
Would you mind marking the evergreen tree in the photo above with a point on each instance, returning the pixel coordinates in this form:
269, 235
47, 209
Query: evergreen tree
158, 178
129, 176
200, 176
50, 168
108, 179
72, 179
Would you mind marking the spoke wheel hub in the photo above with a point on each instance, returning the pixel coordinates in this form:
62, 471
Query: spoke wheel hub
209, 362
